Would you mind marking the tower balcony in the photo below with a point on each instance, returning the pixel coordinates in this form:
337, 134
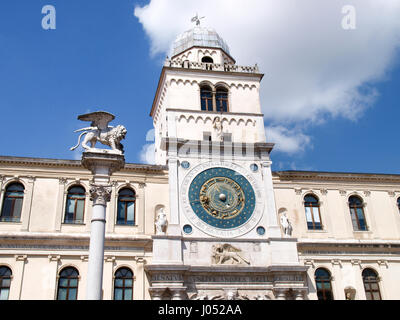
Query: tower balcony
186, 64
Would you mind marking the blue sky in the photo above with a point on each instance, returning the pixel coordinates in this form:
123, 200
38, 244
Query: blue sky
99, 57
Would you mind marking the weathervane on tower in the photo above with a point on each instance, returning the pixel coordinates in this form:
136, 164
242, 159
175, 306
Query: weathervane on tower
197, 19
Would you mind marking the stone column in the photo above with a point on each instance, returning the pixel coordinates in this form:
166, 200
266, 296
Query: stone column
102, 165
100, 196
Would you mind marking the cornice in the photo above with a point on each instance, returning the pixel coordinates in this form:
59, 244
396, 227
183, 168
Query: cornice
61, 163
335, 176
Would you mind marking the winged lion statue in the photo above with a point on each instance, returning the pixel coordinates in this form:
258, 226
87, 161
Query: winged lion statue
100, 131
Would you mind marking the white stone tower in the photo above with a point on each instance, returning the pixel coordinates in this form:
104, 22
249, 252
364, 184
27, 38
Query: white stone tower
209, 130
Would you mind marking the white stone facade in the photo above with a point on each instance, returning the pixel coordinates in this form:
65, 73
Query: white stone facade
170, 251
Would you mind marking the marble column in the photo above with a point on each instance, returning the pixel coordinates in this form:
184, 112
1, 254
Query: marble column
102, 165
100, 196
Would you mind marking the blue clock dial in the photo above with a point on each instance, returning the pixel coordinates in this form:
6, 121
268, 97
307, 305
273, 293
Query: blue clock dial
222, 198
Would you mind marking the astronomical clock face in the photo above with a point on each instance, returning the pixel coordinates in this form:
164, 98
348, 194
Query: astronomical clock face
222, 198
221, 201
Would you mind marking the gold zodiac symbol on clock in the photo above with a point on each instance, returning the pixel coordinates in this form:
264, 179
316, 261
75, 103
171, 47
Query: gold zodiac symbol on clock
222, 197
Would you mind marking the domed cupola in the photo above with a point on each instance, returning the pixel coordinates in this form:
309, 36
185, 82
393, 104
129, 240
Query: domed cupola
199, 37
203, 38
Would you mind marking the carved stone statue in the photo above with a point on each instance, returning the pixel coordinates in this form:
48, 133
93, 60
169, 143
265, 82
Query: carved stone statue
161, 221
100, 131
217, 125
227, 254
286, 225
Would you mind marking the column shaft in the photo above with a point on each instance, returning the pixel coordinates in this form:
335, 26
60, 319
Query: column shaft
96, 253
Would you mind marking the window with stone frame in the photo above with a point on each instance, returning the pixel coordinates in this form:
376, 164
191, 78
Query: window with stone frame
323, 284
216, 101
356, 206
221, 99
67, 288
123, 284
75, 205
371, 284
126, 207
313, 214
5, 282
206, 97
12, 203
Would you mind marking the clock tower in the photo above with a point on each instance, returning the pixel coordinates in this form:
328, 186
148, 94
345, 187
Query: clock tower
223, 238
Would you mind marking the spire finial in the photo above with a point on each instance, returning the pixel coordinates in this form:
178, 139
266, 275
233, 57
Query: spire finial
197, 19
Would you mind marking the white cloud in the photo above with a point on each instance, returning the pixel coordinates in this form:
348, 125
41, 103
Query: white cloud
314, 69
288, 141
147, 154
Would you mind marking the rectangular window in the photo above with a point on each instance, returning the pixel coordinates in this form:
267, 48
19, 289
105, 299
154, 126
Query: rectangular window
313, 218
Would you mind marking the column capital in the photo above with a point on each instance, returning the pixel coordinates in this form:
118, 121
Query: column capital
280, 293
177, 293
100, 194
156, 293
299, 294
266, 164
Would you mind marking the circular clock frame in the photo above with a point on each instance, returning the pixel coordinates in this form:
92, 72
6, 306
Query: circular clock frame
212, 228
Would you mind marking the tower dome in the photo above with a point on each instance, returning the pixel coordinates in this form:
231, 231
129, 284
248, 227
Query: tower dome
199, 37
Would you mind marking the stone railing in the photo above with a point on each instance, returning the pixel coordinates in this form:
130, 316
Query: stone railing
210, 66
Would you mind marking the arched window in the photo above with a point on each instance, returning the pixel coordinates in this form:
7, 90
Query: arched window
126, 207
216, 101
371, 285
207, 59
313, 216
5, 282
221, 99
12, 204
357, 214
123, 284
68, 284
323, 283
206, 98
75, 207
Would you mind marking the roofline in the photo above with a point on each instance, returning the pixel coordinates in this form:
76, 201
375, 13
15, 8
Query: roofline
326, 175
287, 174
73, 163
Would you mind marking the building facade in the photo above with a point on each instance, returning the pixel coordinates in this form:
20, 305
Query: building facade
235, 229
